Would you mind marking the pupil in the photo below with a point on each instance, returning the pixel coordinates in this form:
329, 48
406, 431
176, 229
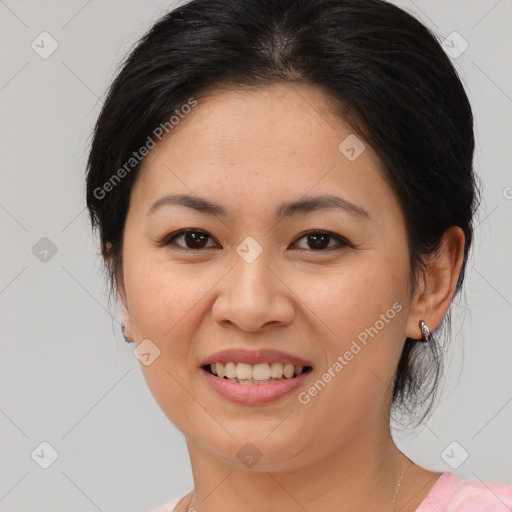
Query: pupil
316, 244
194, 239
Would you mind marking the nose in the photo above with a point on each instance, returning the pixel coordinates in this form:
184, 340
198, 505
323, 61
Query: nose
253, 297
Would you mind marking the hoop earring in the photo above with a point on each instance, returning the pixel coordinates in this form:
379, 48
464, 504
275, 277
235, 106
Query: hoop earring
425, 331
123, 328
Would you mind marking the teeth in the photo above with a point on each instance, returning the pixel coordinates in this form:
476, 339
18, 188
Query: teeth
230, 369
276, 370
288, 371
220, 369
243, 371
260, 373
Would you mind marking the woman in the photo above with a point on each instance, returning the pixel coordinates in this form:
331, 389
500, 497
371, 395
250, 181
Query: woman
285, 195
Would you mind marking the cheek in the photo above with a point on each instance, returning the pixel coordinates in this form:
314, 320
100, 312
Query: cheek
166, 301
360, 318
352, 297
162, 294
162, 302
361, 346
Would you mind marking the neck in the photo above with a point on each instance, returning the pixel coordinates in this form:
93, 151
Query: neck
359, 476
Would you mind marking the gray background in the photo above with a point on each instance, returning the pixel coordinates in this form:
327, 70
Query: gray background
68, 378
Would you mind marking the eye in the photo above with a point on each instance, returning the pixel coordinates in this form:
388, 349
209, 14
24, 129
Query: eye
194, 239
319, 241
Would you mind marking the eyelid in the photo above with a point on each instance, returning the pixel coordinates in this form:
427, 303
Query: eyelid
342, 241
169, 239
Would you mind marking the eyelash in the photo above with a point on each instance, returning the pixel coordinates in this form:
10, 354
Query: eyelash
170, 239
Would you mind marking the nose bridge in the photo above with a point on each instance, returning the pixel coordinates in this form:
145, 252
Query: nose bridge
252, 295
251, 274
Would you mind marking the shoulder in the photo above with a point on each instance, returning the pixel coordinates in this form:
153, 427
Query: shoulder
169, 507
452, 493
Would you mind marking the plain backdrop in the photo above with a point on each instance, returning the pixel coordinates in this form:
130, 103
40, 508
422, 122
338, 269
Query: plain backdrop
67, 377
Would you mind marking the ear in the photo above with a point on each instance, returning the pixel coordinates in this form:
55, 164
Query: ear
121, 296
437, 287
124, 310
128, 330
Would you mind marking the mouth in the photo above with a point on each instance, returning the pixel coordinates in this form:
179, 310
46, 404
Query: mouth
261, 373
254, 377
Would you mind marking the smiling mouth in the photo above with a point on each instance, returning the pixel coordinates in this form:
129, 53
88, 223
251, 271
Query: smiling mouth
263, 373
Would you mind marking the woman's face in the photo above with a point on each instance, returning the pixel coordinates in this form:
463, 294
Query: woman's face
249, 278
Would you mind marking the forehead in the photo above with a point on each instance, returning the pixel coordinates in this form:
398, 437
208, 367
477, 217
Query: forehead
260, 146
276, 121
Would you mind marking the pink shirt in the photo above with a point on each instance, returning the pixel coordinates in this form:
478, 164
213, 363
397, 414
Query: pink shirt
450, 493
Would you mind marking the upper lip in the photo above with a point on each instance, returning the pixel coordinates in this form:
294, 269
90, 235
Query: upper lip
263, 355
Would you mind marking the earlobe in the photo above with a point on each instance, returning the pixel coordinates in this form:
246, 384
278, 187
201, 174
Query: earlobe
126, 324
438, 285
106, 249
125, 329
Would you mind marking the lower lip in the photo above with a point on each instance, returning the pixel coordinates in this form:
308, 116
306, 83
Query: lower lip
253, 394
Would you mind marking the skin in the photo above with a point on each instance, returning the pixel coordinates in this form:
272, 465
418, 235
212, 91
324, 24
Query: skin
250, 150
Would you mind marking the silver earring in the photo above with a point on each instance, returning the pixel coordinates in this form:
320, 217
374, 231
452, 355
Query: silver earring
425, 331
123, 328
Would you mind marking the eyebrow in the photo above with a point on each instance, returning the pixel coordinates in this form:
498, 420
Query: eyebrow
288, 209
